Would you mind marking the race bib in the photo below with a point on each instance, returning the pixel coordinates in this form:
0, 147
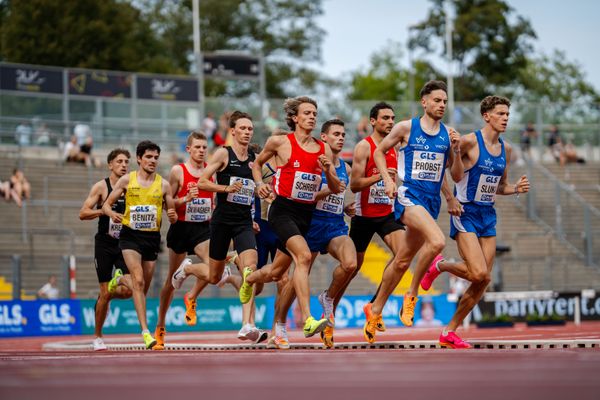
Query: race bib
377, 194
334, 203
198, 209
487, 188
305, 186
246, 194
427, 166
114, 228
143, 217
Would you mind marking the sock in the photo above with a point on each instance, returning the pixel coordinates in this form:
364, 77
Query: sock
118, 279
446, 331
278, 327
437, 266
145, 331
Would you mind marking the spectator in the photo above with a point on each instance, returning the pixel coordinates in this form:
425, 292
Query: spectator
562, 152
49, 290
7, 191
71, 151
363, 128
20, 185
209, 125
42, 135
427, 319
528, 134
23, 133
272, 122
86, 153
82, 132
221, 134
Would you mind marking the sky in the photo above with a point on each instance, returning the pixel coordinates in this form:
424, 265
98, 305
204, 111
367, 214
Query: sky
357, 28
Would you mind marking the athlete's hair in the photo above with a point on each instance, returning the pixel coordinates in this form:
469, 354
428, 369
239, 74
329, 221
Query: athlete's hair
431, 86
489, 102
237, 115
114, 153
195, 135
328, 124
145, 145
382, 105
291, 106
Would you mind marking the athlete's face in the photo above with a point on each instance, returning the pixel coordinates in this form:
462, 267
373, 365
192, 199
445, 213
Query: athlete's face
149, 161
119, 165
384, 122
197, 150
434, 104
306, 117
497, 117
335, 137
242, 131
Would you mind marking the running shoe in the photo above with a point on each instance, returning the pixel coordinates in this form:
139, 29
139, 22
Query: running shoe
248, 332
280, 340
327, 304
407, 312
160, 334
190, 310
179, 275
370, 327
226, 274
432, 273
262, 336
379, 325
312, 326
149, 341
245, 289
113, 283
327, 337
453, 341
98, 344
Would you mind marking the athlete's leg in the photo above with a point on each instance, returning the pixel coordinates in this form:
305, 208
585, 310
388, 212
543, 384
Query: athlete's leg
342, 249
166, 293
271, 272
148, 267
476, 253
248, 259
101, 308
133, 259
302, 257
201, 251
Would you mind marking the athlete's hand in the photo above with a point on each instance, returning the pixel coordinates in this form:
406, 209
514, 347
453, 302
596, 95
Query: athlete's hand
172, 215
192, 193
234, 188
350, 209
255, 227
342, 187
265, 192
390, 188
522, 185
324, 161
454, 207
393, 173
117, 218
454, 140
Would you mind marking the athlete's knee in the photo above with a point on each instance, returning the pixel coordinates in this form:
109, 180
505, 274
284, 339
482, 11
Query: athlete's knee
437, 244
481, 278
349, 267
104, 295
138, 282
258, 288
399, 265
303, 259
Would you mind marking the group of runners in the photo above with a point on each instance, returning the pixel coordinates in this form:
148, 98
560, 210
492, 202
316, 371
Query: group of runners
287, 203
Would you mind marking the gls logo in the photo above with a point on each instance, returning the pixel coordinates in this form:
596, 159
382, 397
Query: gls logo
492, 179
11, 315
308, 177
428, 156
54, 314
141, 208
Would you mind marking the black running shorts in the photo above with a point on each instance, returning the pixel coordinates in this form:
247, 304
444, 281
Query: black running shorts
145, 243
184, 236
106, 255
221, 234
289, 218
362, 229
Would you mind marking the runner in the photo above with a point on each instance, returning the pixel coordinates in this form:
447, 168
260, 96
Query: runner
301, 159
145, 191
232, 217
425, 151
486, 158
106, 242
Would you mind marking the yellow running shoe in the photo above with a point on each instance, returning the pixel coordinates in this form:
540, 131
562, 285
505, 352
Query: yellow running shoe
245, 289
160, 338
149, 341
327, 337
407, 312
312, 326
190, 310
113, 283
379, 325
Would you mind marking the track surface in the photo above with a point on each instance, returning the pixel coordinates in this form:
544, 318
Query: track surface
29, 373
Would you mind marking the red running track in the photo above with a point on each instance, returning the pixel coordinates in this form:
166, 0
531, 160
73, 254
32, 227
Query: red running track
28, 373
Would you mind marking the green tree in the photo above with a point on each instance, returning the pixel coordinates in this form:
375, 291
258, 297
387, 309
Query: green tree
490, 44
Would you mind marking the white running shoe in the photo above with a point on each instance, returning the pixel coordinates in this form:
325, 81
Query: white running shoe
262, 336
249, 332
226, 274
98, 344
179, 275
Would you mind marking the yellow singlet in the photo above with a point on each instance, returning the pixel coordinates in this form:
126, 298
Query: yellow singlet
143, 206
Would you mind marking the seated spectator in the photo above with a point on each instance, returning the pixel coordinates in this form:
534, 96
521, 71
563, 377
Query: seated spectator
23, 133
7, 191
72, 152
42, 135
20, 184
86, 150
81, 132
49, 290
561, 151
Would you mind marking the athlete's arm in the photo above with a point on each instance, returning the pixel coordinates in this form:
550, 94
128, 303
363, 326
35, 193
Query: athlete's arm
358, 180
117, 191
454, 206
268, 152
175, 179
457, 169
217, 163
87, 211
326, 160
505, 188
398, 134
170, 204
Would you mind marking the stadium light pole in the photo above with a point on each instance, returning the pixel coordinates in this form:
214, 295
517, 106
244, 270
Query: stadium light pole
411, 72
199, 62
450, 77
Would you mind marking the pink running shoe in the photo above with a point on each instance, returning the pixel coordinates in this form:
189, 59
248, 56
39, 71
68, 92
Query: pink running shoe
432, 273
452, 341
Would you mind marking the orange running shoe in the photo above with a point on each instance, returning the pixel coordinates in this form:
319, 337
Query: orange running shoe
190, 310
407, 312
159, 335
379, 325
370, 328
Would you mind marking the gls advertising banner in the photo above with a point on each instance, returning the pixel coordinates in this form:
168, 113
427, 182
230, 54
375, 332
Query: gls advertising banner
213, 315
39, 318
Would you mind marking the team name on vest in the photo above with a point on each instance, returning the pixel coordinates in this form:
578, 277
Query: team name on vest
306, 186
427, 165
377, 193
334, 203
487, 188
143, 217
245, 195
198, 210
